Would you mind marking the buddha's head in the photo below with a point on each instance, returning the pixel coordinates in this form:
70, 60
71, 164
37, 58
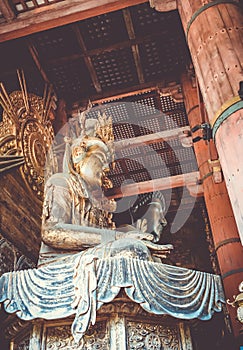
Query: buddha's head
89, 156
90, 159
151, 208
155, 218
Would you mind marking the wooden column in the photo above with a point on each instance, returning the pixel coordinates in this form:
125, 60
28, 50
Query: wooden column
224, 230
214, 35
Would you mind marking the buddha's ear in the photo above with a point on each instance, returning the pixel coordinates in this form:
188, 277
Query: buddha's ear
163, 204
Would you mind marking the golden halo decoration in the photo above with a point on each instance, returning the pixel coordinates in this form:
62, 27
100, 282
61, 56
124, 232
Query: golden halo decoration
31, 132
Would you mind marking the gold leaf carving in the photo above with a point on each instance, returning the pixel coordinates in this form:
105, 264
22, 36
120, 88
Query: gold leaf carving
26, 132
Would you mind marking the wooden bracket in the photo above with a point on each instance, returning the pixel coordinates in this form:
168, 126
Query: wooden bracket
215, 166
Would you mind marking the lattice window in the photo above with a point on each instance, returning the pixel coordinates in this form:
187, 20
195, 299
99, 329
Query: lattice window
189, 167
27, 5
93, 113
159, 172
140, 177
165, 55
151, 126
174, 143
130, 151
149, 21
160, 58
168, 104
145, 106
118, 180
152, 58
184, 154
175, 169
56, 43
170, 157
123, 131
133, 165
157, 160
175, 120
152, 161
116, 68
117, 169
157, 146
103, 30
118, 111
66, 73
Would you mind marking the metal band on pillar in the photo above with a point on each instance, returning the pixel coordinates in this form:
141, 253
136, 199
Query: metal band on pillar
227, 241
226, 110
205, 7
231, 272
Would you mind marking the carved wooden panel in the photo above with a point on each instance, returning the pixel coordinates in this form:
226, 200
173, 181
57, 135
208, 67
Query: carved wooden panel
7, 256
11, 258
60, 338
23, 343
147, 336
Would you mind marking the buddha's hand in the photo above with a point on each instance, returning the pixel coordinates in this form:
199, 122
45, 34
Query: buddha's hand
135, 234
159, 250
142, 225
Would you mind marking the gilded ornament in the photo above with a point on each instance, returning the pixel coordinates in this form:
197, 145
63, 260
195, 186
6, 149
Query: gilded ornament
26, 134
238, 302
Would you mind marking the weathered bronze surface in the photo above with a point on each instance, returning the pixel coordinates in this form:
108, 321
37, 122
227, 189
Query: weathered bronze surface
85, 262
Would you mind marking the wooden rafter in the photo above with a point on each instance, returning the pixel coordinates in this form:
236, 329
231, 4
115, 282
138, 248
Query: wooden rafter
160, 136
34, 54
135, 48
7, 10
58, 14
101, 50
87, 59
189, 179
111, 95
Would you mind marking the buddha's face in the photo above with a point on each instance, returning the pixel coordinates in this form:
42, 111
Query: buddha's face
90, 161
155, 218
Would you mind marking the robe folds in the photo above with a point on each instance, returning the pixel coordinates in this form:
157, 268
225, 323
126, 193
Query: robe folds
80, 284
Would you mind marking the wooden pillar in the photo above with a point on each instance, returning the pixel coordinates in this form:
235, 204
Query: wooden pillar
214, 34
224, 230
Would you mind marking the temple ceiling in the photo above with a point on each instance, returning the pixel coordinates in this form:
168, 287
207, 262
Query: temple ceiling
114, 53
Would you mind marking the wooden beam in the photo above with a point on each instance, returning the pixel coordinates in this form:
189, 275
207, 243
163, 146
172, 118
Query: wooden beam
189, 179
160, 136
7, 10
126, 92
163, 5
59, 14
87, 59
101, 50
112, 95
135, 48
34, 54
